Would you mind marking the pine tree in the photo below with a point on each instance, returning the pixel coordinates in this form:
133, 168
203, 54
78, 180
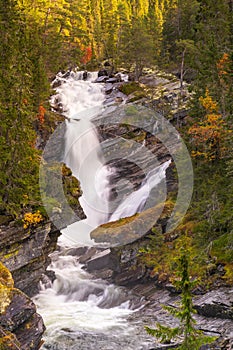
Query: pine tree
137, 50
19, 158
192, 337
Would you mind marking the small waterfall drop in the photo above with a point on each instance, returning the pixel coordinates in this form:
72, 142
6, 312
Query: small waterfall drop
135, 202
81, 100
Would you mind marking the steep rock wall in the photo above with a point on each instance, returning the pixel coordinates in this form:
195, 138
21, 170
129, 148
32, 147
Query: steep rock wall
25, 252
21, 328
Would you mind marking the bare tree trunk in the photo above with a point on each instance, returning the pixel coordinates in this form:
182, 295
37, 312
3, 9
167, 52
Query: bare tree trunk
182, 70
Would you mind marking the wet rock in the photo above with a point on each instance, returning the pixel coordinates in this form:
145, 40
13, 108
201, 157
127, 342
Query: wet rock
85, 75
116, 79
66, 74
118, 99
30, 333
217, 303
102, 73
108, 88
130, 276
79, 251
26, 253
101, 79
101, 260
88, 255
56, 83
19, 310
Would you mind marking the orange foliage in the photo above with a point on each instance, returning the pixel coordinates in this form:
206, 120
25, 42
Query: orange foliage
87, 54
223, 64
41, 114
208, 136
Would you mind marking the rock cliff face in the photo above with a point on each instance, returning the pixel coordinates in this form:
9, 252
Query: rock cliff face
24, 252
21, 328
121, 264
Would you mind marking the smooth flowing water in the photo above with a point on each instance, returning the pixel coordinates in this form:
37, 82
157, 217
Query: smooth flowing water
81, 312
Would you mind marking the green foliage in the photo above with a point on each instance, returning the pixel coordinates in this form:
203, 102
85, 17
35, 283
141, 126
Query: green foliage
130, 87
194, 39
136, 48
19, 158
192, 337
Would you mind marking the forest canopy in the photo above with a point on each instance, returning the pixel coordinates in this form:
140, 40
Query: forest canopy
192, 39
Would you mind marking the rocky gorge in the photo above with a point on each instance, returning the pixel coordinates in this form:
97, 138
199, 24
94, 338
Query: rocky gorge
122, 264
26, 254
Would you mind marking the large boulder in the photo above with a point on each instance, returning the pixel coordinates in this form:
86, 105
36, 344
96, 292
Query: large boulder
21, 328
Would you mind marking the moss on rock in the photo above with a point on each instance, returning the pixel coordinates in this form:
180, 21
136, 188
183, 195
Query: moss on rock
6, 286
129, 88
8, 341
129, 229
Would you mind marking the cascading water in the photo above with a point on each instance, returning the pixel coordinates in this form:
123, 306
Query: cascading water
79, 311
135, 202
80, 101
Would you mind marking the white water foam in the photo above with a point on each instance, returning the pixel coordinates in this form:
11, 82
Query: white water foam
75, 302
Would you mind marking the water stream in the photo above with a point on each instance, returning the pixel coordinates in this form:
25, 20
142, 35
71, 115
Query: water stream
81, 312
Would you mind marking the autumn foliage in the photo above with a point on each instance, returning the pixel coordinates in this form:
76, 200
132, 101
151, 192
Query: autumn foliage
223, 65
30, 219
209, 135
87, 54
41, 114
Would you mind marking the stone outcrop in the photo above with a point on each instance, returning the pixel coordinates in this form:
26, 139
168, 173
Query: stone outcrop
25, 253
216, 303
212, 324
156, 89
127, 230
214, 308
21, 328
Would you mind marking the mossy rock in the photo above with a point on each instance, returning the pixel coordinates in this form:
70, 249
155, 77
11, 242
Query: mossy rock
136, 96
8, 341
6, 277
130, 87
129, 229
6, 286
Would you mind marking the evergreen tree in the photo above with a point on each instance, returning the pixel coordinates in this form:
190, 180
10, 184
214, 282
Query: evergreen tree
19, 158
192, 337
137, 50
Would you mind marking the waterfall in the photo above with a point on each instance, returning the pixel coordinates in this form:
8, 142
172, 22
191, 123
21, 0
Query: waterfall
79, 311
81, 101
135, 202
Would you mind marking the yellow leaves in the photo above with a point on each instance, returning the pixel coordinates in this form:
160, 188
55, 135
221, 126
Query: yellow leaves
66, 32
208, 103
32, 219
209, 135
6, 285
222, 64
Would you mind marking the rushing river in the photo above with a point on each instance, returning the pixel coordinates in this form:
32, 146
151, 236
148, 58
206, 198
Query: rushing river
81, 312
